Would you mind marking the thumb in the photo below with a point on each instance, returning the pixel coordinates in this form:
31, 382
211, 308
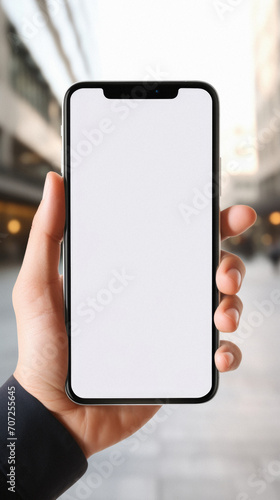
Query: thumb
40, 264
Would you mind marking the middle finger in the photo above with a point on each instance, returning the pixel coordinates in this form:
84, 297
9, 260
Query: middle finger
230, 273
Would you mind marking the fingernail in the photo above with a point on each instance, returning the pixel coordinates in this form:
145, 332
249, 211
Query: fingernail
46, 187
229, 357
235, 275
233, 314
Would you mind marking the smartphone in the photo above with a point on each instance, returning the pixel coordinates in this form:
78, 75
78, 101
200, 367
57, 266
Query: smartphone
141, 243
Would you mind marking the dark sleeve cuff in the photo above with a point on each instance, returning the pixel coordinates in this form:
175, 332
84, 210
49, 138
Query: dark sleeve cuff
47, 458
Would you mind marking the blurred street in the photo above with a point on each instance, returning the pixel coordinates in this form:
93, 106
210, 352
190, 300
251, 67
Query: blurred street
228, 449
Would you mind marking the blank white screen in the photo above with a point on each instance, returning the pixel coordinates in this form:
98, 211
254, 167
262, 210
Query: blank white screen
134, 165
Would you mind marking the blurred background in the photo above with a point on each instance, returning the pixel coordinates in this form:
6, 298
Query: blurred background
228, 448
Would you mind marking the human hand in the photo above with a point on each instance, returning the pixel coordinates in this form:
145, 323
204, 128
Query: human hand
234, 221
42, 338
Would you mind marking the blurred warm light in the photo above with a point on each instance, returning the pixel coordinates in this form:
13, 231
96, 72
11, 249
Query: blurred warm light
266, 239
274, 218
13, 226
17, 210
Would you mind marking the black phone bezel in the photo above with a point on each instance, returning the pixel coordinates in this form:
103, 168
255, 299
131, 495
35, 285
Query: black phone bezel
142, 90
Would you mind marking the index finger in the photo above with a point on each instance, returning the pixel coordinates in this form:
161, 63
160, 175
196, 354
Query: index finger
236, 219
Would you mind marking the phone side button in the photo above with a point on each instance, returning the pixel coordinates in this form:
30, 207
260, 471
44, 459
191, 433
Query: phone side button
61, 164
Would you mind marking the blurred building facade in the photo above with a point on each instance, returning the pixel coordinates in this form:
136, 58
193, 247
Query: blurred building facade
260, 150
266, 17
267, 142
30, 142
